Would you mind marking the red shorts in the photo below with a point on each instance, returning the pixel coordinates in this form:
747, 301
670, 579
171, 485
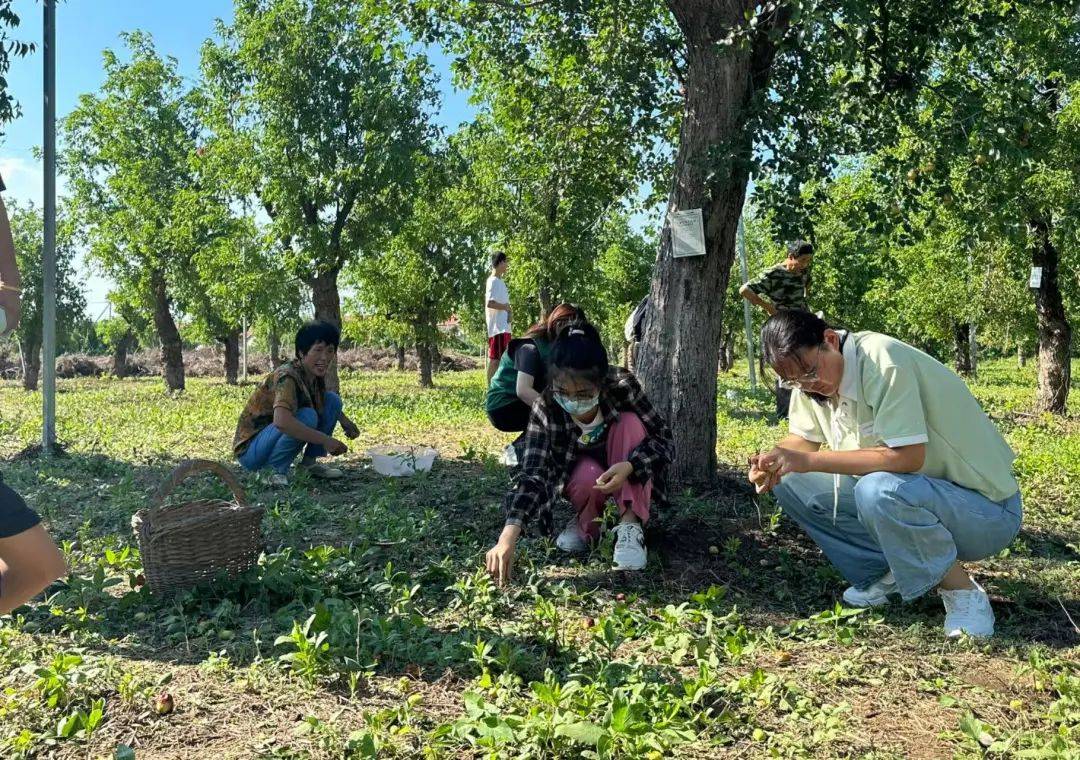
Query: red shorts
497, 345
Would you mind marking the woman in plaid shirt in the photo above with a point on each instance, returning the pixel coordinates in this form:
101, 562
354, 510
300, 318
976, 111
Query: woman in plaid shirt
593, 436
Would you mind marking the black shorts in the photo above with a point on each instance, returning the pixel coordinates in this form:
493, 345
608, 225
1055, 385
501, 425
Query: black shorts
15, 516
512, 418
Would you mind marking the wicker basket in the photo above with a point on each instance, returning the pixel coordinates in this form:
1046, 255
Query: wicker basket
183, 545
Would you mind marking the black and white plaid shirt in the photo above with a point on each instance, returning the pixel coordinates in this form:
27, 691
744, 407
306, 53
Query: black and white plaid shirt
551, 449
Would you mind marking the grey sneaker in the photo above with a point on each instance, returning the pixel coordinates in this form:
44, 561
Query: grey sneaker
279, 480
323, 471
630, 551
874, 596
968, 611
570, 540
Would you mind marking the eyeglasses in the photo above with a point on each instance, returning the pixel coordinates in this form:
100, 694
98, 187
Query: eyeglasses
803, 381
583, 395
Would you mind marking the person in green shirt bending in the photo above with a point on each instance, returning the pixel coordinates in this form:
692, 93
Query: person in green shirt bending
522, 376
784, 286
917, 479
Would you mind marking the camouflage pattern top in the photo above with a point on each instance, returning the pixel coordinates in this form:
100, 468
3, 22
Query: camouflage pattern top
786, 290
289, 386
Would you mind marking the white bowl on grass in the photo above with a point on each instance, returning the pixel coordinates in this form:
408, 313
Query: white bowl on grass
402, 461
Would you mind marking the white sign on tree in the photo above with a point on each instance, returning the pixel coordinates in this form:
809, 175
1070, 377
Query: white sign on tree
1035, 282
687, 233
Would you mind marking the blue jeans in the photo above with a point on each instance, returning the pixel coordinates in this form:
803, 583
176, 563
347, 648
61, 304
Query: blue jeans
272, 448
914, 525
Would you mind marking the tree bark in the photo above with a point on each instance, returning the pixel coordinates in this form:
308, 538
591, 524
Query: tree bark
962, 347
172, 354
423, 353
546, 301
274, 341
1021, 359
120, 355
1055, 333
232, 356
400, 357
436, 357
327, 302
681, 346
31, 361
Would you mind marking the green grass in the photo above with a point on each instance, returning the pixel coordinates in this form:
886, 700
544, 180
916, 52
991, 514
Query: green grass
369, 629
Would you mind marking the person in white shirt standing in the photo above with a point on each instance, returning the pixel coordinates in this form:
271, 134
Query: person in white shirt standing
497, 303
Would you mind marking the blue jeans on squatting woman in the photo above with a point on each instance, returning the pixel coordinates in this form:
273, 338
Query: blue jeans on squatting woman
272, 448
914, 525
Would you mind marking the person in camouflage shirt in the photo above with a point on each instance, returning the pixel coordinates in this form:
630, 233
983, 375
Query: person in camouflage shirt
291, 408
783, 286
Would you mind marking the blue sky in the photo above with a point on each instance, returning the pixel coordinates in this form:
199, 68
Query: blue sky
85, 28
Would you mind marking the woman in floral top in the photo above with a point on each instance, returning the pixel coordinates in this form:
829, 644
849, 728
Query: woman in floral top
291, 408
594, 437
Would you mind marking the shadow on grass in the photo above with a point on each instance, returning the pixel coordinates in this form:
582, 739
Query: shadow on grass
434, 528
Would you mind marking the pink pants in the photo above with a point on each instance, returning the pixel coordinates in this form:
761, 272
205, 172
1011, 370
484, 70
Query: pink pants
623, 437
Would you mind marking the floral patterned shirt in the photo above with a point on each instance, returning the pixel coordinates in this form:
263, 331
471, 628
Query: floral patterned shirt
290, 387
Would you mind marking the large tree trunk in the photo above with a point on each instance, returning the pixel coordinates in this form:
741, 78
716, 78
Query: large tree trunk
232, 356
120, 355
426, 352
679, 355
423, 353
400, 357
31, 361
1055, 334
274, 341
962, 347
172, 354
327, 302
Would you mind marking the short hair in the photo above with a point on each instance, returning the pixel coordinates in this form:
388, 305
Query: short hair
497, 258
578, 352
799, 248
788, 332
317, 331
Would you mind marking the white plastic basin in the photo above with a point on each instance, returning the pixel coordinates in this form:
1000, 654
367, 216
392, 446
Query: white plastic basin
401, 461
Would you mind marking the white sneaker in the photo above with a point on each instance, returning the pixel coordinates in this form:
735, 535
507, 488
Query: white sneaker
630, 552
279, 480
967, 611
509, 456
571, 540
874, 596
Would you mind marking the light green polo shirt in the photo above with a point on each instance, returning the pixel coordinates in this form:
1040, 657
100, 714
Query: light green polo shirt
893, 394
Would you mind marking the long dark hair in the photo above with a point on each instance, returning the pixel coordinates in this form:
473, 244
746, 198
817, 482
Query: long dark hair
579, 353
788, 332
560, 316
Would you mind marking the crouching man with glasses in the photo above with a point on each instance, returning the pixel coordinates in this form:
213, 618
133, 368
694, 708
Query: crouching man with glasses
916, 478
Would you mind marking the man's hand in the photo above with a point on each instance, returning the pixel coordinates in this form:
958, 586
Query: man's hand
500, 558
11, 303
336, 448
783, 461
764, 480
349, 428
612, 480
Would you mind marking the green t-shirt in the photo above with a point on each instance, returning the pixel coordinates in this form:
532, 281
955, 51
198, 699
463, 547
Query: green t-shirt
532, 360
786, 290
893, 394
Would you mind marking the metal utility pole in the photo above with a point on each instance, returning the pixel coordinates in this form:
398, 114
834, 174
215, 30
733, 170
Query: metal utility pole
747, 319
48, 321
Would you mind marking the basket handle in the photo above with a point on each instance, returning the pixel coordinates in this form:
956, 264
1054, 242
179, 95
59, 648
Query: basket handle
189, 468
